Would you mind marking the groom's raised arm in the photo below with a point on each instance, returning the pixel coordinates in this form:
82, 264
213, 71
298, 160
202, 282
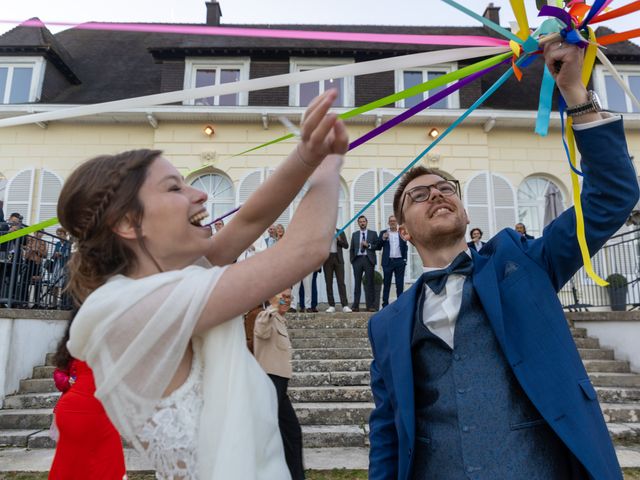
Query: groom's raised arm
383, 437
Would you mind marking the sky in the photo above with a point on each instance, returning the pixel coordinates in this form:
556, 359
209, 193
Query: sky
359, 12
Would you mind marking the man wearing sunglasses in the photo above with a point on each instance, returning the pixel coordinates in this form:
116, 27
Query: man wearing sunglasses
475, 372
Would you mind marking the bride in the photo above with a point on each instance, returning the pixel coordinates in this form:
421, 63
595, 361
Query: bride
161, 300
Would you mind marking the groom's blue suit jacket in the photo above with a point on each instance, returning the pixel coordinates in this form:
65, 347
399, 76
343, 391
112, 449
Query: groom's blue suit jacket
517, 281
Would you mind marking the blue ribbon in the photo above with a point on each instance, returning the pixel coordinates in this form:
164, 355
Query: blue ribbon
505, 76
545, 102
562, 106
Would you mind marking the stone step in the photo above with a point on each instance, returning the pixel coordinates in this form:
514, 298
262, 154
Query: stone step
340, 365
329, 379
626, 380
32, 400
331, 353
596, 353
48, 359
26, 419
327, 322
322, 436
43, 371
37, 385
16, 438
611, 366
621, 413
624, 432
618, 395
301, 343
354, 413
578, 332
41, 439
328, 333
587, 342
331, 394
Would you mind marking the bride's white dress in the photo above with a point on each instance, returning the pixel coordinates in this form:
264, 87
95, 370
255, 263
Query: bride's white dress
221, 423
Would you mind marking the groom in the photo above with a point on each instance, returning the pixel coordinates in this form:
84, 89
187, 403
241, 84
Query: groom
475, 373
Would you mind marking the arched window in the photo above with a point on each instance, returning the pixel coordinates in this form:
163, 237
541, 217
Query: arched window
220, 191
490, 202
535, 195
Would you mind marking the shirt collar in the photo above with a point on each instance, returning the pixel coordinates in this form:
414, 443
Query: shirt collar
431, 269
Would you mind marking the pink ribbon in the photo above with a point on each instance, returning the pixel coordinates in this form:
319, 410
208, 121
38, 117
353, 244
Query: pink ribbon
459, 40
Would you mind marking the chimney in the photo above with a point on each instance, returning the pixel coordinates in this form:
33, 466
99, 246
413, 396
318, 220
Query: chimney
492, 13
214, 12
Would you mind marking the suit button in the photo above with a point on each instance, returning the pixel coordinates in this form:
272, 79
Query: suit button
461, 391
465, 428
457, 357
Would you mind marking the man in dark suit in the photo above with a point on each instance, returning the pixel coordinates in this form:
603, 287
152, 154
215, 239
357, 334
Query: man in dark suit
510, 398
394, 258
363, 259
522, 230
335, 264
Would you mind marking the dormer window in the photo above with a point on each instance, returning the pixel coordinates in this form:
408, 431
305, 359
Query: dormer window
204, 72
21, 79
613, 96
415, 76
300, 95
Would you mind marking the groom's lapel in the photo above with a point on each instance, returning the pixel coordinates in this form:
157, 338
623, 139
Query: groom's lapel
400, 329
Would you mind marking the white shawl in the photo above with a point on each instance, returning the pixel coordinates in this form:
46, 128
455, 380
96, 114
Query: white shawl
133, 334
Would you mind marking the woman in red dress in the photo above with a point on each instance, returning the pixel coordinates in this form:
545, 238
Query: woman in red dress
89, 447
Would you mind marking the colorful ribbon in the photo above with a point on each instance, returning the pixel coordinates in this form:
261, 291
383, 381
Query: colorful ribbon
505, 76
618, 12
485, 21
28, 230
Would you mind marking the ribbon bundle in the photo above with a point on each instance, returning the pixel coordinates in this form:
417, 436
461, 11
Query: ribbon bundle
571, 24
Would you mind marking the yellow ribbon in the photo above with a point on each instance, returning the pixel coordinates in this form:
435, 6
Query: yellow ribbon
521, 17
587, 68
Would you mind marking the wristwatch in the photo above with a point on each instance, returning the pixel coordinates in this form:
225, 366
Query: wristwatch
593, 105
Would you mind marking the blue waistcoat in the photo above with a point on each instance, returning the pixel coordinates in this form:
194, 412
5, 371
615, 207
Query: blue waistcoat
472, 418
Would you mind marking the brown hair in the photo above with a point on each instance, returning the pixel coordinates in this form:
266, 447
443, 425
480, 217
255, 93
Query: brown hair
407, 178
97, 195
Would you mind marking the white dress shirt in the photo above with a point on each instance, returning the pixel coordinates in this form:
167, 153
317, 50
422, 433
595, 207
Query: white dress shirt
394, 244
440, 312
334, 245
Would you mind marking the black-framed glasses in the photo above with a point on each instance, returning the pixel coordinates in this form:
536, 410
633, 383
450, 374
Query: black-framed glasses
421, 193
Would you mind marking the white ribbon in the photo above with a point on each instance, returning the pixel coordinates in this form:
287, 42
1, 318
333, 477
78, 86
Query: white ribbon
352, 69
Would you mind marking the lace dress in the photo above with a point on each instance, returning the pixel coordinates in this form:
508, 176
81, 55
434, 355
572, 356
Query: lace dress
171, 434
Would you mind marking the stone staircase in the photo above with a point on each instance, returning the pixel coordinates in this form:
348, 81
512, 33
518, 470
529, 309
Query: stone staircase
330, 387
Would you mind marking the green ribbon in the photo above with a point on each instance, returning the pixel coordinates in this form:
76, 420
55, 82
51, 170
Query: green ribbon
28, 230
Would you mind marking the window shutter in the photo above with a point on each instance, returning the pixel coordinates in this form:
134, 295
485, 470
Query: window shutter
504, 204
363, 190
50, 187
19, 194
477, 204
387, 198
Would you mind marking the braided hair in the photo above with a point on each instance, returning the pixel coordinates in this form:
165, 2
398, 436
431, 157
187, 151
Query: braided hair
95, 197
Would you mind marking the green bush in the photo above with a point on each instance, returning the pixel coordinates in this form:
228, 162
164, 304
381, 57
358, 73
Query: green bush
616, 280
377, 278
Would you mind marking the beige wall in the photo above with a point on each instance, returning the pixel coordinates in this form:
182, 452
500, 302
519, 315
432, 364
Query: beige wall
513, 153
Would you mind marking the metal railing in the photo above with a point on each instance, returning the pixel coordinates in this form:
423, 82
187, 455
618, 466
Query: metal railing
620, 255
33, 272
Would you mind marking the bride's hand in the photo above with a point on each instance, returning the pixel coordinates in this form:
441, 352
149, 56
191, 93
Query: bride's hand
321, 133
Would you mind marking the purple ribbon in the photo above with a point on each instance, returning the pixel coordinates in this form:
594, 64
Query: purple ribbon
568, 33
435, 98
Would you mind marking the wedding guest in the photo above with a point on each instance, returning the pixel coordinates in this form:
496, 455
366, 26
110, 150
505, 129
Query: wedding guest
160, 323
272, 349
335, 264
522, 230
88, 444
476, 243
279, 232
394, 259
271, 238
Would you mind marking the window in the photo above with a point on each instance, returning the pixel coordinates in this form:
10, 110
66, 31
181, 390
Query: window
28, 186
490, 203
217, 71
537, 195
300, 95
612, 95
49, 191
21, 79
415, 76
220, 193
